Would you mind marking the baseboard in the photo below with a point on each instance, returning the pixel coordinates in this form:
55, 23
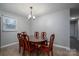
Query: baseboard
60, 46
67, 48
9, 44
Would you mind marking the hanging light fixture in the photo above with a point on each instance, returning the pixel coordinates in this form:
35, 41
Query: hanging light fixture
31, 16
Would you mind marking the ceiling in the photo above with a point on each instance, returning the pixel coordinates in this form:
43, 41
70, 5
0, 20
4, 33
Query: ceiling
38, 8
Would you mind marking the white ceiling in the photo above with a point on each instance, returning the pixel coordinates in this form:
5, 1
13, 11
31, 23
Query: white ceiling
38, 8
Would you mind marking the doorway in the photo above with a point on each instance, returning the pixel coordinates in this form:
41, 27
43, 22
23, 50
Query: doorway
74, 42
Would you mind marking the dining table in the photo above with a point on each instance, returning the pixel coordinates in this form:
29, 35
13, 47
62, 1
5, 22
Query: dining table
37, 42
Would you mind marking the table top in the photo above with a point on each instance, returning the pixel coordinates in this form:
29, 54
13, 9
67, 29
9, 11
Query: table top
39, 41
36, 40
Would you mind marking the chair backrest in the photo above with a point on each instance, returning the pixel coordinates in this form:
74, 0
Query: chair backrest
23, 33
23, 36
26, 41
36, 35
43, 35
19, 36
52, 37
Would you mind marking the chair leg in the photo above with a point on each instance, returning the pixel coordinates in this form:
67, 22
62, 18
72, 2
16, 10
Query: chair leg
48, 53
19, 49
29, 53
52, 53
23, 52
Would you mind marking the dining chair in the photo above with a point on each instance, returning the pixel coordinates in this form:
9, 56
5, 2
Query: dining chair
43, 35
21, 44
36, 35
23, 33
49, 48
27, 46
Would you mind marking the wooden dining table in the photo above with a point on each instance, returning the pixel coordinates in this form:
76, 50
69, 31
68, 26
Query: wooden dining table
37, 42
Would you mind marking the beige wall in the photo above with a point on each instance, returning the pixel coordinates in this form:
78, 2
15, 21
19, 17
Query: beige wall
10, 37
58, 23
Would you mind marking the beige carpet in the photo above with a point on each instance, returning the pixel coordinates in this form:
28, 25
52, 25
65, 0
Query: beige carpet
13, 51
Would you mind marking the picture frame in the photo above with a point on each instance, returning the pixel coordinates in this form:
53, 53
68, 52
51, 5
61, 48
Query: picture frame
8, 24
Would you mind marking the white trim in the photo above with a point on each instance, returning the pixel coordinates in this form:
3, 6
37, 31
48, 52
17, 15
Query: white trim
9, 44
60, 46
67, 48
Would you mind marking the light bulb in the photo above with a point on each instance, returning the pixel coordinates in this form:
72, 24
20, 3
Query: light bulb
29, 16
33, 17
73, 18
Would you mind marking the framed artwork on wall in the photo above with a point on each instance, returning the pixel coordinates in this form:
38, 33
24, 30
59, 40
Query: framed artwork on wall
8, 24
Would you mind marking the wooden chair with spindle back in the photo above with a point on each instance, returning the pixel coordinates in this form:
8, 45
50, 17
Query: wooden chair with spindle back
52, 37
21, 44
27, 46
36, 37
25, 41
49, 48
43, 37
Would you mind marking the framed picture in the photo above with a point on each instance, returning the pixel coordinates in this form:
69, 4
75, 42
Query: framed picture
9, 24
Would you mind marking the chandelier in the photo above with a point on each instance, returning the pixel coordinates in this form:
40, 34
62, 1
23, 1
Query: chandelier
31, 16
